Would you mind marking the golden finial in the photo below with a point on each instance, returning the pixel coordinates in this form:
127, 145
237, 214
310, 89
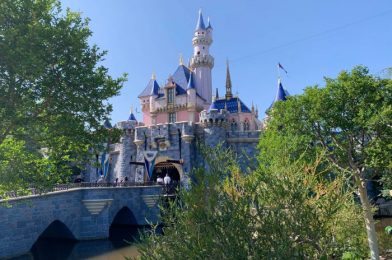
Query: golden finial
131, 112
181, 59
153, 76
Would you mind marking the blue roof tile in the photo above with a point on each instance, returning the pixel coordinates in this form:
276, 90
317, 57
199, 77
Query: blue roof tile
213, 106
107, 124
191, 83
209, 24
281, 93
181, 78
152, 88
200, 23
232, 105
132, 117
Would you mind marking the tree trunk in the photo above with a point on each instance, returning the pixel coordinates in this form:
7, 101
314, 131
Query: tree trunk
369, 221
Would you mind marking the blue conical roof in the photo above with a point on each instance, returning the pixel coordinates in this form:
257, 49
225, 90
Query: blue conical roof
107, 124
132, 117
281, 93
213, 106
191, 83
152, 89
200, 23
209, 23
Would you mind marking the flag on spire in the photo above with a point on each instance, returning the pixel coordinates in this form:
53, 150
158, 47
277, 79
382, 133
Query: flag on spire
281, 67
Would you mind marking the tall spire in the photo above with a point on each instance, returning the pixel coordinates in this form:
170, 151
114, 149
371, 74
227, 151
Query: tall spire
200, 23
216, 94
209, 23
181, 61
229, 95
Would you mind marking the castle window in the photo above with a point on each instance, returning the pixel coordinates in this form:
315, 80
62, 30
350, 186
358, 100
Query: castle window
170, 95
246, 125
198, 53
233, 125
172, 117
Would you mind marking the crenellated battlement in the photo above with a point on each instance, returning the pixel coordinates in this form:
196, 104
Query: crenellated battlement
214, 117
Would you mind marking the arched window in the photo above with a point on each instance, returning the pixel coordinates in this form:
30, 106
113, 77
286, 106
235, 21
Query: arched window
246, 125
233, 125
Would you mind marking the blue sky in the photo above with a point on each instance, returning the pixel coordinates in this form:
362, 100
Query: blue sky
311, 39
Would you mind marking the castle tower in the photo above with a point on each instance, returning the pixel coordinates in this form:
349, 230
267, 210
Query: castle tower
202, 62
125, 150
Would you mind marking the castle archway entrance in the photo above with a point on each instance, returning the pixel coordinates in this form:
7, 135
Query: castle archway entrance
166, 168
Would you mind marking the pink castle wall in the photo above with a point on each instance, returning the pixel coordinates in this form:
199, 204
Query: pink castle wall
162, 118
182, 116
146, 118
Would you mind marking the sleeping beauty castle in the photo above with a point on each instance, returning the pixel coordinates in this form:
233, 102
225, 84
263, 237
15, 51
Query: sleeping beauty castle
177, 118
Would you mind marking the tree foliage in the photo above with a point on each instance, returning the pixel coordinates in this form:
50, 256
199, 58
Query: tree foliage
290, 211
349, 121
53, 90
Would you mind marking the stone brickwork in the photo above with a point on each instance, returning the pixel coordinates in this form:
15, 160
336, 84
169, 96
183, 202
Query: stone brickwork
86, 212
177, 141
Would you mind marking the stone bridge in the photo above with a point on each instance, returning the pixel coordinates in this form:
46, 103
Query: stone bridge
79, 213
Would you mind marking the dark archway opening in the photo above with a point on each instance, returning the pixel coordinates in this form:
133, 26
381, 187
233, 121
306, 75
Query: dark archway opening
124, 228
55, 242
164, 168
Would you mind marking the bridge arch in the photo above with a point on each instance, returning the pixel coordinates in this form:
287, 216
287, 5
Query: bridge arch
56, 230
124, 216
123, 227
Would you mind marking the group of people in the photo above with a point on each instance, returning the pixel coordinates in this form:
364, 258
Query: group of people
166, 180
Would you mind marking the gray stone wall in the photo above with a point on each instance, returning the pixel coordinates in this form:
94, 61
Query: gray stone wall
166, 138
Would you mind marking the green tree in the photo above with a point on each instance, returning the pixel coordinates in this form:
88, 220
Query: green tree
349, 121
289, 212
53, 90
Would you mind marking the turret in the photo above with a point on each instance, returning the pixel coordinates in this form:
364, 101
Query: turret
132, 117
202, 62
281, 94
126, 149
214, 123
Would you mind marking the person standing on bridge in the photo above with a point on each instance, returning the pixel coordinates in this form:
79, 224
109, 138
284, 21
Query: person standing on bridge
167, 179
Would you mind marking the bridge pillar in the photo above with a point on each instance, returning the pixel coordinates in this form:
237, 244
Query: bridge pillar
94, 220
